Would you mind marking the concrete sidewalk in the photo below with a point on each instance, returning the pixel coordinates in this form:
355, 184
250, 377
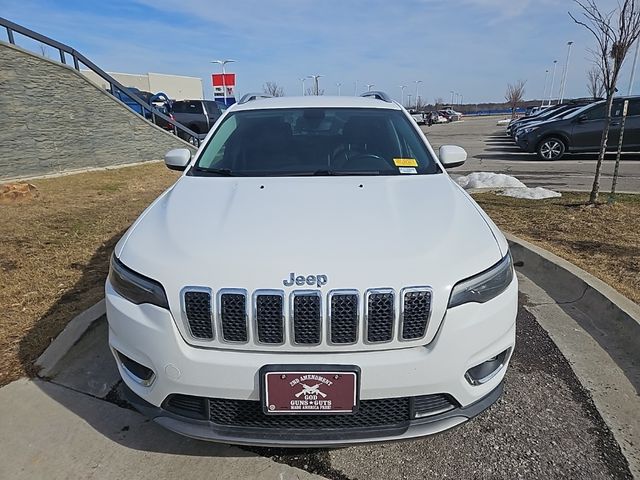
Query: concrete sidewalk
53, 432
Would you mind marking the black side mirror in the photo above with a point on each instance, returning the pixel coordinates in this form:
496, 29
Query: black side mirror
582, 118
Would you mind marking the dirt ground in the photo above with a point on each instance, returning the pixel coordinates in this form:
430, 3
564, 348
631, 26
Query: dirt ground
57, 239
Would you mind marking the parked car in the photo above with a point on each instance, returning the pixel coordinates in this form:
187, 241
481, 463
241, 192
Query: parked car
158, 100
419, 117
581, 131
558, 114
197, 115
227, 326
435, 117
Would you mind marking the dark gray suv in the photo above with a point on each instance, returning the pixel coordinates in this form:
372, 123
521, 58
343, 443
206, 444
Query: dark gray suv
197, 115
581, 131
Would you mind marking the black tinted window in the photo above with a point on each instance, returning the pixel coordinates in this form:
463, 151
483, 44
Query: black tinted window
596, 113
212, 107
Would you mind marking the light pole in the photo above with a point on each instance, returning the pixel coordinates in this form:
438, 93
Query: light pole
370, 86
633, 70
417, 82
461, 99
566, 72
402, 87
224, 76
452, 94
338, 85
304, 79
457, 96
409, 100
546, 82
355, 88
316, 83
553, 81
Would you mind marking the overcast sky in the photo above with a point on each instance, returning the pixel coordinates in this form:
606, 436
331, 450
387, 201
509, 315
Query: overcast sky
474, 47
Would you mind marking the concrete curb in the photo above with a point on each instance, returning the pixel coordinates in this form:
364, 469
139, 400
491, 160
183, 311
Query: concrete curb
614, 313
72, 333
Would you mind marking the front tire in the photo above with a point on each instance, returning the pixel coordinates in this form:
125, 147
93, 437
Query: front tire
551, 149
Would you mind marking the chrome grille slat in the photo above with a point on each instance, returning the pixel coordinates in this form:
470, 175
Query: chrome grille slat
344, 308
416, 309
197, 308
233, 316
380, 315
269, 317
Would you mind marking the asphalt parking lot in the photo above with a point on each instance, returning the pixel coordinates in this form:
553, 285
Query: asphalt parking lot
491, 150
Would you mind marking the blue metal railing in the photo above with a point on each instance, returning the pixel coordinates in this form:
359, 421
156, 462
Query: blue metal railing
148, 112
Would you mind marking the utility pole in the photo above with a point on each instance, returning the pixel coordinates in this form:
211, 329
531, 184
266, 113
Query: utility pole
566, 73
553, 81
452, 94
402, 87
417, 82
546, 82
304, 92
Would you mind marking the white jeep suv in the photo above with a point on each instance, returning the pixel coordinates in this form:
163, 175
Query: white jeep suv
314, 278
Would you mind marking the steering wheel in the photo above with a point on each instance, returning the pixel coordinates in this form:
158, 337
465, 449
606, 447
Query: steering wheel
365, 161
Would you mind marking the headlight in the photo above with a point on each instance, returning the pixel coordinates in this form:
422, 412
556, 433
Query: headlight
529, 130
485, 286
135, 287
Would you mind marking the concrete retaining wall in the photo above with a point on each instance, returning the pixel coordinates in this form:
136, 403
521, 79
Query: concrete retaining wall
54, 120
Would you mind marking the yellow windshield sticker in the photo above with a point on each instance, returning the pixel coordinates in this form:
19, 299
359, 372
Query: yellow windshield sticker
405, 162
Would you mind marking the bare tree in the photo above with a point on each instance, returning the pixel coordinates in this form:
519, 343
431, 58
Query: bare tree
273, 89
312, 91
515, 95
438, 102
615, 32
595, 87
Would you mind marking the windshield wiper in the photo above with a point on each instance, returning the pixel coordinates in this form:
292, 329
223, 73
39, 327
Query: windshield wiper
223, 172
338, 173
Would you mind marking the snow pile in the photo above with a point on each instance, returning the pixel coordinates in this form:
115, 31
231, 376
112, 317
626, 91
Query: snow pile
509, 186
489, 180
537, 193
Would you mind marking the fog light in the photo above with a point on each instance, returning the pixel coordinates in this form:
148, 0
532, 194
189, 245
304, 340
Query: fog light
481, 374
136, 371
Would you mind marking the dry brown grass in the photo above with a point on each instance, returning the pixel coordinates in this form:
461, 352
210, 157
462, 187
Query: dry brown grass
55, 250
603, 240
55, 247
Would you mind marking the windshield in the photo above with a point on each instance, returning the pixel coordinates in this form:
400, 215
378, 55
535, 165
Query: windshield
315, 141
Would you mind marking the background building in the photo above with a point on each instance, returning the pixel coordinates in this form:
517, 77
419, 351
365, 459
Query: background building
176, 87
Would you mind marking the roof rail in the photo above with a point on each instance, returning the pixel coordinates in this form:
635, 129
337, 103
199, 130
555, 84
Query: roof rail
378, 96
253, 96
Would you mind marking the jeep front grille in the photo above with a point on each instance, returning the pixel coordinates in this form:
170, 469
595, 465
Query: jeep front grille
307, 318
380, 316
233, 316
197, 307
415, 314
269, 317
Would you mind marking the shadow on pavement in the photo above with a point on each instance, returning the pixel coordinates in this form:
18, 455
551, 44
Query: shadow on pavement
88, 374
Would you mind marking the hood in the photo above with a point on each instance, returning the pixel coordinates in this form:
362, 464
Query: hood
361, 232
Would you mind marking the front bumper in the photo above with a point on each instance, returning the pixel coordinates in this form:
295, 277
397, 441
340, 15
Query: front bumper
469, 335
316, 438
